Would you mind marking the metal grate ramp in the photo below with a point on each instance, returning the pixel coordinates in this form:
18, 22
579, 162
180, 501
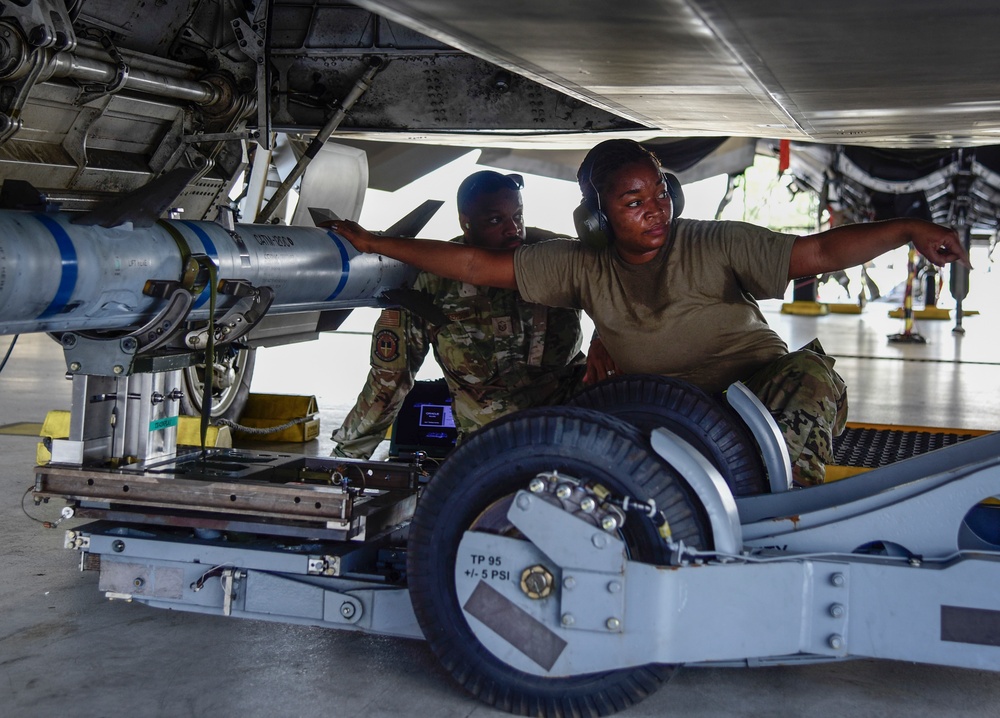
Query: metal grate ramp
868, 446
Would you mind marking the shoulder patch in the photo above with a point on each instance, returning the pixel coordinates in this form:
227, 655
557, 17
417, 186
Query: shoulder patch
385, 347
389, 318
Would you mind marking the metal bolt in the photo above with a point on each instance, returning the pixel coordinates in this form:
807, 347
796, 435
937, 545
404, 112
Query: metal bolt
139, 582
838, 579
600, 540
536, 486
569, 583
837, 610
523, 502
118, 369
588, 505
40, 36
614, 587
564, 491
347, 609
567, 619
609, 523
537, 582
118, 546
74, 366
613, 624
835, 641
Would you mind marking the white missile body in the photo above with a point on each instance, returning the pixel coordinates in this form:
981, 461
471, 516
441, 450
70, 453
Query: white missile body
58, 276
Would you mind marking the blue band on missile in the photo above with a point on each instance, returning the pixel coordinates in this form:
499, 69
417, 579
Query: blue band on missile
210, 250
69, 267
345, 265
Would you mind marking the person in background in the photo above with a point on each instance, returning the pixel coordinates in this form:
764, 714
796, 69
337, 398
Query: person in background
679, 297
498, 352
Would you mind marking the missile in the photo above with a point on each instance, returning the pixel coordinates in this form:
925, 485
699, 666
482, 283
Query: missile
58, 276
62, 272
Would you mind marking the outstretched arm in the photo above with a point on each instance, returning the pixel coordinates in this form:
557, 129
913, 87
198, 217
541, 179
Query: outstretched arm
854, 244
475, 265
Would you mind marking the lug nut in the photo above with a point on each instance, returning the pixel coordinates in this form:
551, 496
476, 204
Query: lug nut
537, 582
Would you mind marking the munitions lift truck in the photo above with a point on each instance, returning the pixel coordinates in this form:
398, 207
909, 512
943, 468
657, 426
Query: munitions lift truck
563, 560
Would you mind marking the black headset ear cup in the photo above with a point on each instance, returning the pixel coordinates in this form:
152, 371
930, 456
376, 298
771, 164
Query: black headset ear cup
591, 226
676, 192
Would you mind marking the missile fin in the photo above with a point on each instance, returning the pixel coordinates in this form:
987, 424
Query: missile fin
412, 223
321, 214
142, 207
19, 194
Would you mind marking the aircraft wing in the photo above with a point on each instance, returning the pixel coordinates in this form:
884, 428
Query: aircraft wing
854, 72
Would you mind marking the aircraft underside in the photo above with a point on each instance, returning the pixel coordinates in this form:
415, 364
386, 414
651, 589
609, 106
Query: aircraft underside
564, 560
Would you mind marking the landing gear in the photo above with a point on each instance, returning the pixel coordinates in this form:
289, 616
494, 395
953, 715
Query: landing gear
233, 371
648, 401
472, 493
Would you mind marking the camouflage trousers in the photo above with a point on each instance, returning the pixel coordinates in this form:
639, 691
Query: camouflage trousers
808, 400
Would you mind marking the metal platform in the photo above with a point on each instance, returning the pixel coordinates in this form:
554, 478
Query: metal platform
863, 447
274, 494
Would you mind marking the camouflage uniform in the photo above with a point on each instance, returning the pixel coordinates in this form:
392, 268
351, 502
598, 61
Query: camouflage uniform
808, 400
498, 353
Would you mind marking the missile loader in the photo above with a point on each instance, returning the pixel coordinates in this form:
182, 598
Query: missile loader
563, 560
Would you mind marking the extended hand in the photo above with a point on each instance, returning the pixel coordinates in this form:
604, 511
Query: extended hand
358, 236
941, 245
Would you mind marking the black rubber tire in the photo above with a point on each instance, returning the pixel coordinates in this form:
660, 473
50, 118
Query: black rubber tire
229, 402
493, 464
648, 401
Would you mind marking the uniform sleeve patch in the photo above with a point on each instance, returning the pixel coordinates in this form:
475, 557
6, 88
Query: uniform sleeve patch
386, 345
389, 318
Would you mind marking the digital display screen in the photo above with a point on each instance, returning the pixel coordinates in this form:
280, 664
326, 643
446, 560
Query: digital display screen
436, 416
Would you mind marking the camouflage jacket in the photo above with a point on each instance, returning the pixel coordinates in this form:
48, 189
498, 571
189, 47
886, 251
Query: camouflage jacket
498, 353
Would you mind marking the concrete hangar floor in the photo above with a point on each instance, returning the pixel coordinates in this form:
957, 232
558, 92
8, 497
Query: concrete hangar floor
64, 649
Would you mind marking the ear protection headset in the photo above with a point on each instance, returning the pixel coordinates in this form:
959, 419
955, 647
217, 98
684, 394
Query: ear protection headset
592, 223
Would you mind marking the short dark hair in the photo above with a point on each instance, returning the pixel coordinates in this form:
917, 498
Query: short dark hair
604, 160
485, 182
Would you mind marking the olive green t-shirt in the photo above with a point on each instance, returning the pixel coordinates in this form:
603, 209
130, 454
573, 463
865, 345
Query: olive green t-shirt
690, 312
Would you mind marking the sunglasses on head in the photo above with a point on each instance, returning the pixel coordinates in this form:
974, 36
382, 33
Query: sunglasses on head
493, 181
516, 180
